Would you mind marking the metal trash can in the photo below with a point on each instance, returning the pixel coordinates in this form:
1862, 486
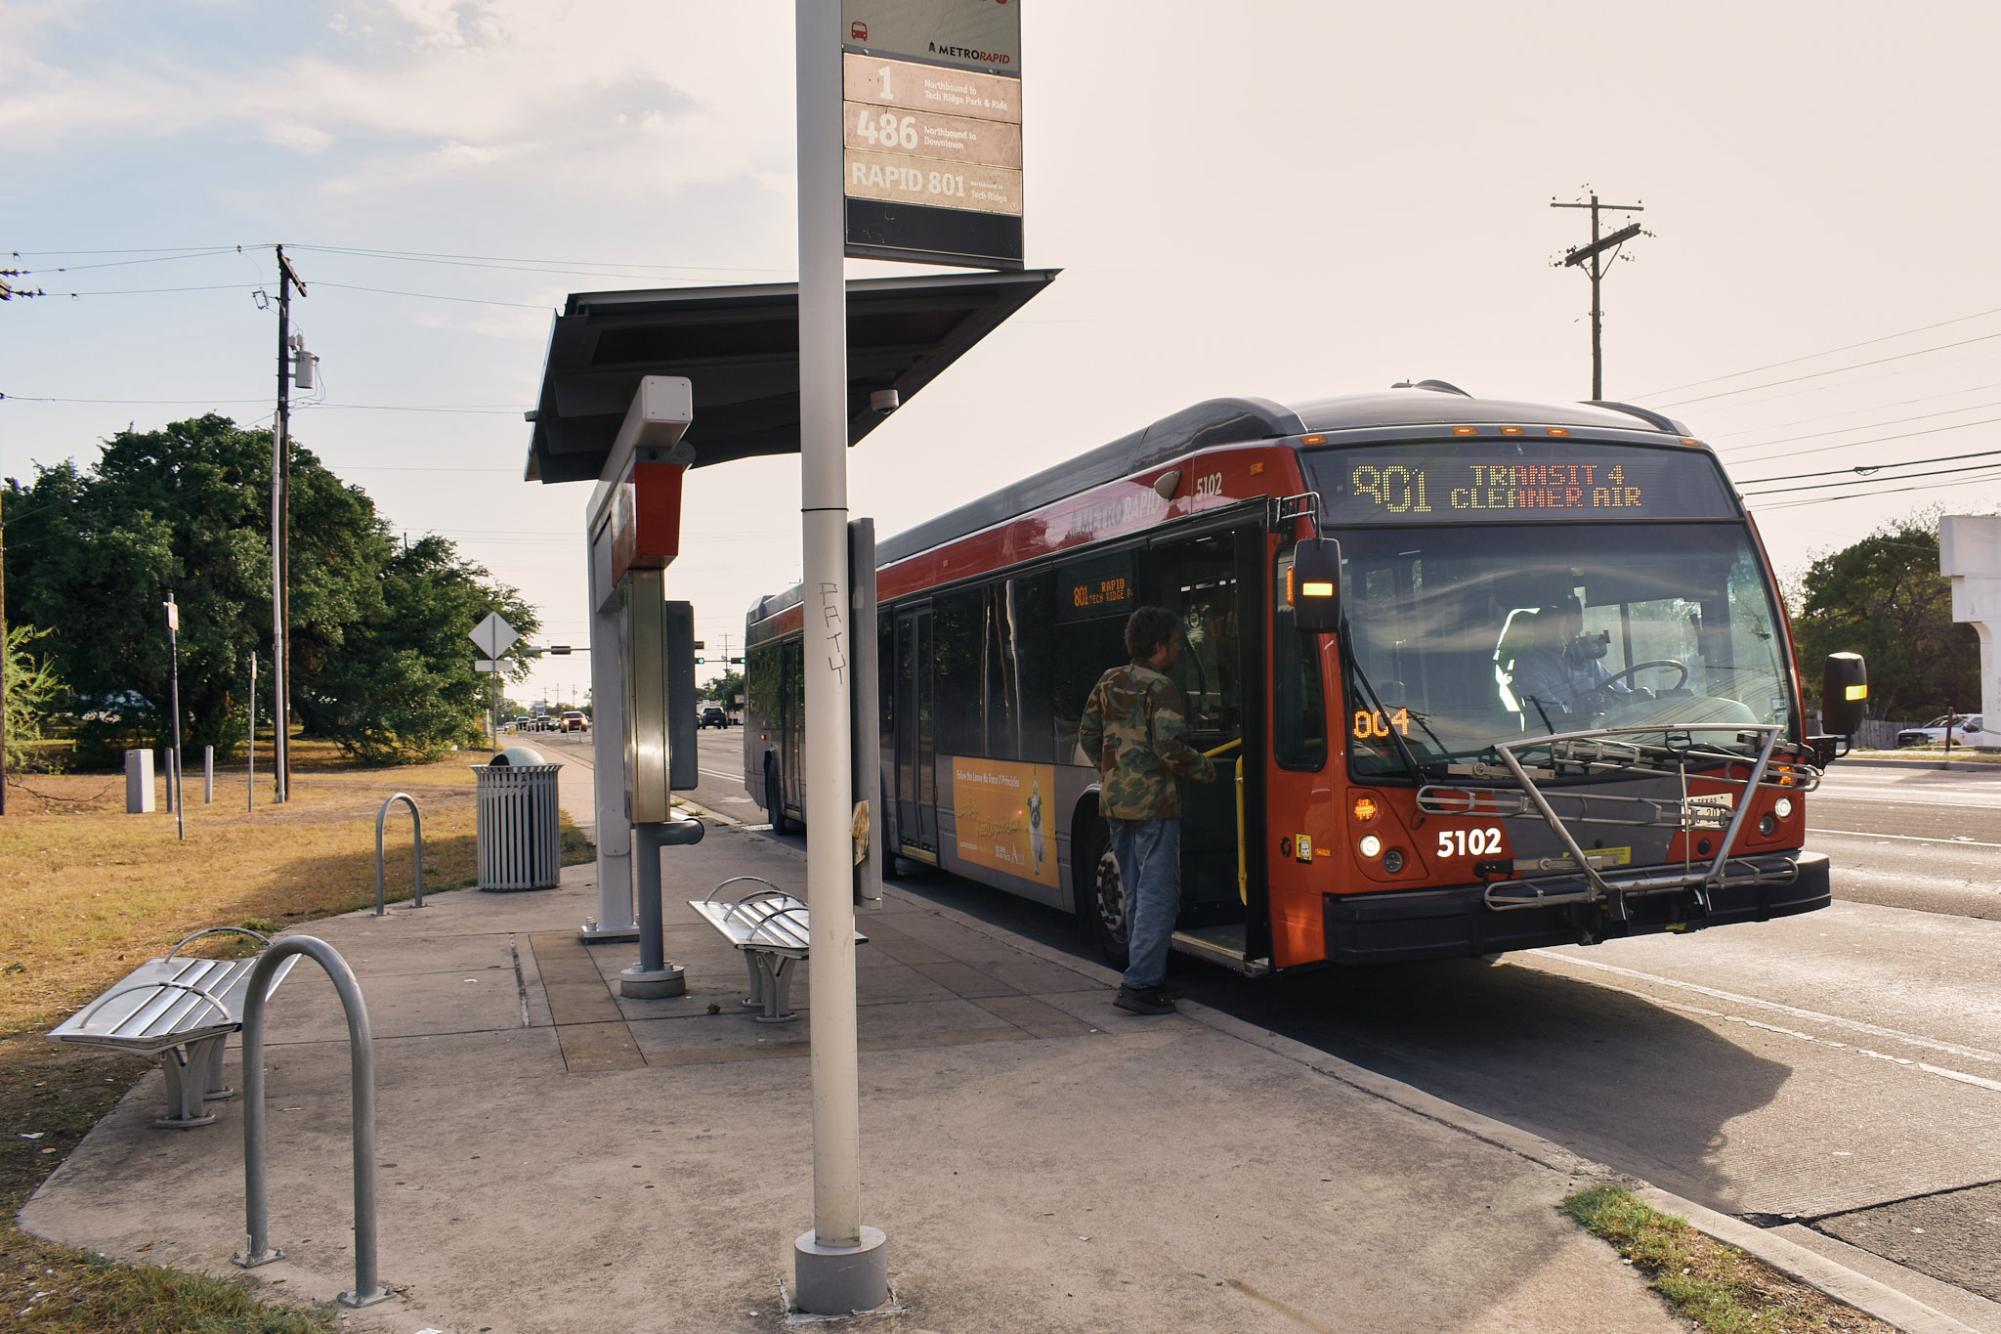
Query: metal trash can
520, 840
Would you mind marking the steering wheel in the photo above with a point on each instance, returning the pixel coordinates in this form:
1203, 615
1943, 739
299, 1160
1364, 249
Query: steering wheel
1643, 666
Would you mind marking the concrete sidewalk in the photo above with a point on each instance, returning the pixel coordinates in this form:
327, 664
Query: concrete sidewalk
555, 1158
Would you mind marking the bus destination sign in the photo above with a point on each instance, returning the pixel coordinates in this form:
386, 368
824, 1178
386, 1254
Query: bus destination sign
931, 131
1088, 589
1529, 481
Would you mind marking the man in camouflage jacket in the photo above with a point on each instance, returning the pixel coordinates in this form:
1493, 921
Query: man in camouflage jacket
1135, 729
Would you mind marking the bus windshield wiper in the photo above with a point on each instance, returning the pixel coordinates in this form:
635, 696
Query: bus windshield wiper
1354, 665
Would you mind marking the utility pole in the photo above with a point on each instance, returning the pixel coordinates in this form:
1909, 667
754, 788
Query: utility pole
3, 659
1594, 254
174, 696
281, 534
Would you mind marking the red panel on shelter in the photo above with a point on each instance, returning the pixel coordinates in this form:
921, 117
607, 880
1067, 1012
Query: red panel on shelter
646, 519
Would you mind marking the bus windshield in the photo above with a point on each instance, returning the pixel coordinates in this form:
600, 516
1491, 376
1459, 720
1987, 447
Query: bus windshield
1466, 636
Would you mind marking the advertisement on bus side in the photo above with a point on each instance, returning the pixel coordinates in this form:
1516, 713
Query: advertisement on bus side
1006, 816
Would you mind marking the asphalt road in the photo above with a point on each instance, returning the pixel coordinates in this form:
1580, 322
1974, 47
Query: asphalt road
1838, 1072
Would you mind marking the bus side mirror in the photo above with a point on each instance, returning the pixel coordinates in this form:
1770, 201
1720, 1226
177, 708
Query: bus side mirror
1313, 585
1844, 690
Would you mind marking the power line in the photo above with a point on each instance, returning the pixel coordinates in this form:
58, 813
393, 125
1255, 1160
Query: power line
1873, 407
121, 263
434, 296
1875, 440
507, 264
1865, 426
146, 291
1867, 469
1865, 495
1815, 375
1829, 486
1824, 352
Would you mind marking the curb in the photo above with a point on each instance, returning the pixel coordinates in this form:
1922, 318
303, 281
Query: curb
1956, 766
1817, 1271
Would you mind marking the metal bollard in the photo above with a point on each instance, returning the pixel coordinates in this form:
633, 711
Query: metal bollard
367, 1290
416, 850
208, 775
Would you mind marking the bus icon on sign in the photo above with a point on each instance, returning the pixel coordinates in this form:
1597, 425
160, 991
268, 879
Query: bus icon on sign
858, 32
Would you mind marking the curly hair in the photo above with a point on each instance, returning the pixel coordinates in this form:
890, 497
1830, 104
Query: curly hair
1147, 629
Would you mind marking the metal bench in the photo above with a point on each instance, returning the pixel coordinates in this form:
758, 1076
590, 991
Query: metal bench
773, 930
183, 1011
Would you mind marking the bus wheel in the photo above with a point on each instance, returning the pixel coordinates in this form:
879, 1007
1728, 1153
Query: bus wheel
1101, 908
774, 800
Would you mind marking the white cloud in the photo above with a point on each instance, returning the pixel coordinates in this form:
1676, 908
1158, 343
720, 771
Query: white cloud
298, 137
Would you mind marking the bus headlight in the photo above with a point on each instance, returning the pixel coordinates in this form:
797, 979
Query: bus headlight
1370, 845
1783, 808
1393, 860
1768, 824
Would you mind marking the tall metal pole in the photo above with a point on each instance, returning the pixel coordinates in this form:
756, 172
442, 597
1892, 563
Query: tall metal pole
281, 472
174, 696
250, 742
839, 1265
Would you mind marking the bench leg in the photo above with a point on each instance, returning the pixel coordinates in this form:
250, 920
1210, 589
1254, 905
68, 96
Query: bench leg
185, 1078
213, 1089
755, 1000
777, 980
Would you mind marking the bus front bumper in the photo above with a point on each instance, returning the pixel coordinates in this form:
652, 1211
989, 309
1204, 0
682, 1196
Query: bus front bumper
1407, 925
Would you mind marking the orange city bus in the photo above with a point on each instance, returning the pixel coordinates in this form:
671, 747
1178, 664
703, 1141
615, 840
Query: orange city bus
1559, 703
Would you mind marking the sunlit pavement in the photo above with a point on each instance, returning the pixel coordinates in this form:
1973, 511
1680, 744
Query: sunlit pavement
1835, 1076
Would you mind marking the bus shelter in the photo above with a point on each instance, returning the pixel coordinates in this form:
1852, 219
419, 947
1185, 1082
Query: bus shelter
605, 415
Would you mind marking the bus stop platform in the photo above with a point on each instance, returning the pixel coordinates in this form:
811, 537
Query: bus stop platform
556, 1158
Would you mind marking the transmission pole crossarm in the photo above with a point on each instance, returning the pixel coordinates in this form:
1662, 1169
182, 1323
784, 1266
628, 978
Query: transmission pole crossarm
1575, 257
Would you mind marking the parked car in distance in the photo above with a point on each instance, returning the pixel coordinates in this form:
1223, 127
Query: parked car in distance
1967, 730
573, 720
713, 716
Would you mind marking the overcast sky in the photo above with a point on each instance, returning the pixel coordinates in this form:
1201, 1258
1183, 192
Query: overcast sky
1281, 199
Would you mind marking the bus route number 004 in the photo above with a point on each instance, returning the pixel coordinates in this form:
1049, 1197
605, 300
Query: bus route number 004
886, 129
1397, 489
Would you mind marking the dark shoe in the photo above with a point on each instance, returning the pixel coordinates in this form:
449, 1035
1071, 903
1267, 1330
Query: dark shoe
1150, 1001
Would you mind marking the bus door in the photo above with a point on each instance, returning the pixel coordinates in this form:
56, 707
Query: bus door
1213, 584
916, 781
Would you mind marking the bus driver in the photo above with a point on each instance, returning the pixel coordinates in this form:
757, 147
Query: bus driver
1558, 670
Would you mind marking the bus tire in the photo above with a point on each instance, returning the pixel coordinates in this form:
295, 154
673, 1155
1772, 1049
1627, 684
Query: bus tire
774, 800
1101, 909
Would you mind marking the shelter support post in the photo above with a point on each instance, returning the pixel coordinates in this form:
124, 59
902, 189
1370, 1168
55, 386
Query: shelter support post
614, 920
652, 976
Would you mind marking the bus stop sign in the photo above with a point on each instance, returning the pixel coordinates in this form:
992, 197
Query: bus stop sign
931, 131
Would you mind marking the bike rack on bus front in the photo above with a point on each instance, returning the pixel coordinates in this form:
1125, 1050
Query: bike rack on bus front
1593, 749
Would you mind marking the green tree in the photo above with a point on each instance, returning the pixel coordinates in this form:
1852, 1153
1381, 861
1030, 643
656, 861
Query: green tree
92, 553
1883, 597
403, 684
724, 688
32, 692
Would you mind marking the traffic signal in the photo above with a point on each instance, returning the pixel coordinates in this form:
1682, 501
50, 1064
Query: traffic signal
699, 660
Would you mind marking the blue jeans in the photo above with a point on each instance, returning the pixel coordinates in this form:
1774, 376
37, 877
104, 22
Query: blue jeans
1149, 854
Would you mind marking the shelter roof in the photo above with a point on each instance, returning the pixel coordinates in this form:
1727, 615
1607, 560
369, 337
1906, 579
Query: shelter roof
739, 346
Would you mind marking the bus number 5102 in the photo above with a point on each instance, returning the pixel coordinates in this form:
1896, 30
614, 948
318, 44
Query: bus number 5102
1469, 842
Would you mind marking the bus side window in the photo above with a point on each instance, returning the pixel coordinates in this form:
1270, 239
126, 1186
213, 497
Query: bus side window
1299, 712
1030, 605
957, 620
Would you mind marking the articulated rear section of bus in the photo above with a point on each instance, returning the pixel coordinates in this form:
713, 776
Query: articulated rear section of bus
1553, 722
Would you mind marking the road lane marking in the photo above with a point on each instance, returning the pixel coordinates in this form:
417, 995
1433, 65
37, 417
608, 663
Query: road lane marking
1703, 1011
1816, 1016
734, 778
1908, 838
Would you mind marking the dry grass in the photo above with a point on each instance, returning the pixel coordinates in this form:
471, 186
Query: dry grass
88, 892
1717, 1288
